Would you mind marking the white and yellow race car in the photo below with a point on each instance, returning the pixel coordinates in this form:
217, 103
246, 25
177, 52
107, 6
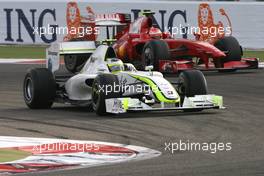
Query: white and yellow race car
108, 85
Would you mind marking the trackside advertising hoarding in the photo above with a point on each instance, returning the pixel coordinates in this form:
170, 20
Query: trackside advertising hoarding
34, 22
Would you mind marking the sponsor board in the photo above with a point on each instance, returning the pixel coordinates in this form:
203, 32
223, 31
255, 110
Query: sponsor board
23, 21
43, 154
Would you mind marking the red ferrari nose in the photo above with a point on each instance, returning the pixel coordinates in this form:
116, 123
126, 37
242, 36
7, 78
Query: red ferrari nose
211, 50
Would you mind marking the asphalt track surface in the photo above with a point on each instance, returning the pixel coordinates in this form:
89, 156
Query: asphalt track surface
242, 124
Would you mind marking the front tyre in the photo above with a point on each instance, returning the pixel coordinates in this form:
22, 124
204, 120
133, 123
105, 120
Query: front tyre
192, 82
39, 88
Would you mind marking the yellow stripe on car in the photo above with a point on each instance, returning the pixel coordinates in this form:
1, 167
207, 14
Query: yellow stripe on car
125, 103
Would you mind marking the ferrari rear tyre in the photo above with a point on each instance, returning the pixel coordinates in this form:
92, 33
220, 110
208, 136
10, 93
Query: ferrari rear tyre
104, 87
39, 88
232, 48
153, 52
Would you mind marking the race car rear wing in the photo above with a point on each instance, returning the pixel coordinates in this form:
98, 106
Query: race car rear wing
114, 19
66, 48
77, 47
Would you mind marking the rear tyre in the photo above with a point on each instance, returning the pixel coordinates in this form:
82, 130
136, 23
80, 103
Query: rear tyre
39, 88
74, 63
231, 47
101, 84
153, 52
192, 82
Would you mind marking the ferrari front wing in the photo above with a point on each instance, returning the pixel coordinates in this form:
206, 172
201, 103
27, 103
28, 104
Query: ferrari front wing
175, 66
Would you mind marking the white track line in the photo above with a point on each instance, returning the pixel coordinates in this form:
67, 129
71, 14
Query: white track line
17, 61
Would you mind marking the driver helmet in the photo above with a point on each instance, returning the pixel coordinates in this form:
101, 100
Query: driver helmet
155, 32
115, 65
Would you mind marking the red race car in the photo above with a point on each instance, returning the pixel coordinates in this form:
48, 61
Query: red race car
143, 44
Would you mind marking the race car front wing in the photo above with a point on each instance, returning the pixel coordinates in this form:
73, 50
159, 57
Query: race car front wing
198, 102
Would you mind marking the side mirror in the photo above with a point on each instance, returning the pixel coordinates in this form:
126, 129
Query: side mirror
149, 68
129, 67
